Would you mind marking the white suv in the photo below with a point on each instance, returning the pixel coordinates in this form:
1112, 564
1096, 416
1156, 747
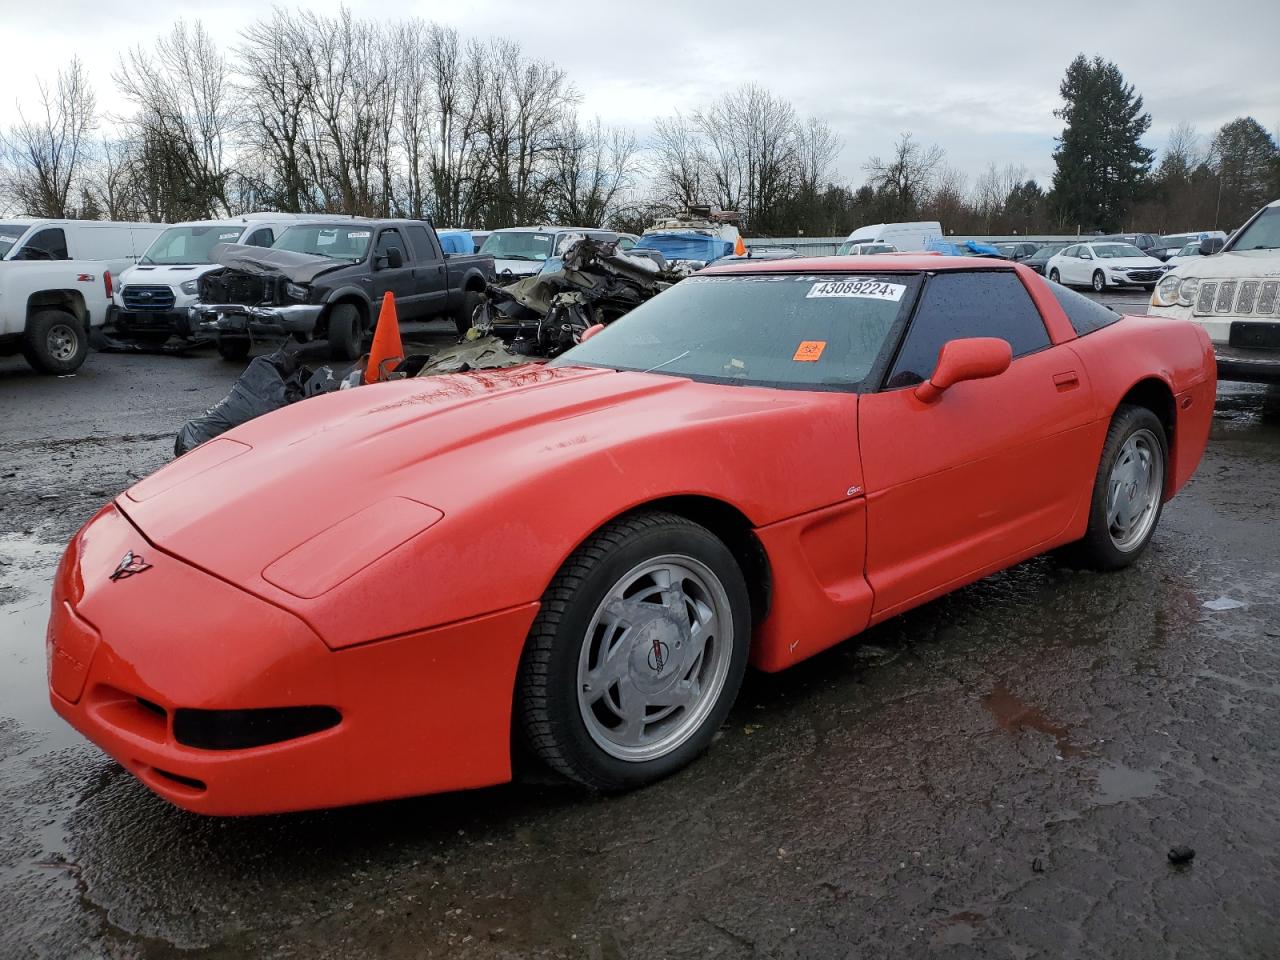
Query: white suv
1235, 295
56, 279
151, 299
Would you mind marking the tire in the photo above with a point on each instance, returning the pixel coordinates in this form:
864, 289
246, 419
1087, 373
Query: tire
1099, 281
471, 300
346, 338
1053, 275
55, 341
234, 348
587, 611
1104, 545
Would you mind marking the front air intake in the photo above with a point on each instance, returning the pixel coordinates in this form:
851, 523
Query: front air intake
244, 729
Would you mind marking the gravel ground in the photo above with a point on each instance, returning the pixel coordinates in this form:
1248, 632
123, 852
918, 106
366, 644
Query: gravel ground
997, 774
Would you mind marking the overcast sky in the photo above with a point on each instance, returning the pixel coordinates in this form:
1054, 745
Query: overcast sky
979, 78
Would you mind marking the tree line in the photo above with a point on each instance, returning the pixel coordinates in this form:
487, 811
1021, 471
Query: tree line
311, 113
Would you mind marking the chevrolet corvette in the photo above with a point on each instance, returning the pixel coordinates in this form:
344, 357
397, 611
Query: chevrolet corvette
386, 591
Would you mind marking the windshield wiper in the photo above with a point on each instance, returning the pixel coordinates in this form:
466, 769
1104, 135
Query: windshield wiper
516, 256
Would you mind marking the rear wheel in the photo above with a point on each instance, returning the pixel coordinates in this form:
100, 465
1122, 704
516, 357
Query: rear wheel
1099, 281
637, 654
471, 301
1128, 491
55, 341
346, 338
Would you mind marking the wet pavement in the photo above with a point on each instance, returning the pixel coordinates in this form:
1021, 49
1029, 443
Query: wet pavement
998, 774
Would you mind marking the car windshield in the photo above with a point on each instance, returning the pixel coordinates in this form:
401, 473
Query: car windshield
340, 242
519, 245
10, 233
1190, 250
1262, 234
1116, 251
801, 332
1045, 251
186, 245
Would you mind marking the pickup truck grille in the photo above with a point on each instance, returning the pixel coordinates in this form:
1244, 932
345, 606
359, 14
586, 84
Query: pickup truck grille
1238, 298
138, 297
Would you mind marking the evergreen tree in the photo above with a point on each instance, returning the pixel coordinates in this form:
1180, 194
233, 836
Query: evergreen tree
1101, 165
1247, 162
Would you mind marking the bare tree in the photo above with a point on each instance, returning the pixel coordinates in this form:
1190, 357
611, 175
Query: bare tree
904, 182
185, 120
678, 163
45, 158
591, 170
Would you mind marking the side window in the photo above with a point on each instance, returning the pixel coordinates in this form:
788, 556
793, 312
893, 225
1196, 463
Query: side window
387, 240
1070, 251
260, 238
422, 245
48, 244
1085, 315
985, 303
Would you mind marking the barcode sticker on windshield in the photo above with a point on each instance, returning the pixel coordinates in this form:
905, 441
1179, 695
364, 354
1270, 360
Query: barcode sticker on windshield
867, 289
228, 236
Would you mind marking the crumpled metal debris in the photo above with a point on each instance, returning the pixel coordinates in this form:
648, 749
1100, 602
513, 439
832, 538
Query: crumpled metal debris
546, 314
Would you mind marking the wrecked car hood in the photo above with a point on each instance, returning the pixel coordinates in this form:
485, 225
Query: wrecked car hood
483, 450
267, 261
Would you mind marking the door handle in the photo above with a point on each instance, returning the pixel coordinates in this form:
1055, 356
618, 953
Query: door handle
1066, 381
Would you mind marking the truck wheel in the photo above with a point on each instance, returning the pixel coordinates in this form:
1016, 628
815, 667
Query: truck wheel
345, 336
55, 342
234, 348
471, 301
637, 653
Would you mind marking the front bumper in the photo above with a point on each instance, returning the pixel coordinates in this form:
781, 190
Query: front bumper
126, 322
420, 713
1247, 366
237, 318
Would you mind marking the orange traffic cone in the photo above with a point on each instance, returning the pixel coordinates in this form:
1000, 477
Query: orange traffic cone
740, 248
387, 349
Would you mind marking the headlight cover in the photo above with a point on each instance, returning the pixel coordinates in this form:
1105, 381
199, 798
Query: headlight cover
1166, 294
189, 287
296, 291
1187, 291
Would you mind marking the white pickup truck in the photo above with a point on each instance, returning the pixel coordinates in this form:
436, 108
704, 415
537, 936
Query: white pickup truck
1234, 293
56, 281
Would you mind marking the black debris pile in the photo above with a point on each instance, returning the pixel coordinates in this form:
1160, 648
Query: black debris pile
268, 383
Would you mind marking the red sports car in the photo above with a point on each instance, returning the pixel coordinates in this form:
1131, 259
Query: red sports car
374, 593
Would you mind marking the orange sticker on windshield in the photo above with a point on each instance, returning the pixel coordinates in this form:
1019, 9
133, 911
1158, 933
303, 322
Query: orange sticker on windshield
809, 350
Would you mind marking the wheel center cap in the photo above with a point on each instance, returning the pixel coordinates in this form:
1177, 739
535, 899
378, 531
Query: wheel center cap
656, 654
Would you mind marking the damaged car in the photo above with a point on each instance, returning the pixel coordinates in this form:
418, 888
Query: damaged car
576, 560
326, 281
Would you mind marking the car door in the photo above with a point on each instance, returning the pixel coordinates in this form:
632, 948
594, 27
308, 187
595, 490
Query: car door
430, 272
396, 280
993, 468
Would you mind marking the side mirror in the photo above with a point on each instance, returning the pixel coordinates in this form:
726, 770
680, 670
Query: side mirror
1086, 255
395, 259
1211, 245
590, 332
973, 358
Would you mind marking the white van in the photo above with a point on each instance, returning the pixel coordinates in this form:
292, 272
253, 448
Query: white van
151, 299
1233, 291
56, 280
906, 237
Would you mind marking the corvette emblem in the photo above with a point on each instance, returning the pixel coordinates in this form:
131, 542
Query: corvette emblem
129, 565
658, 655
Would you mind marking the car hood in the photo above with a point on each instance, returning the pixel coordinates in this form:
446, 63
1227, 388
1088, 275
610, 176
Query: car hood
1245, 264
267, 261
167, 273
1127, 263
296, 502
519, 268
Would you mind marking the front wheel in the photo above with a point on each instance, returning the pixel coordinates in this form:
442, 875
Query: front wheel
471, 300
1054, 276
346, 338
1128, 491
1099, 281
637, 654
